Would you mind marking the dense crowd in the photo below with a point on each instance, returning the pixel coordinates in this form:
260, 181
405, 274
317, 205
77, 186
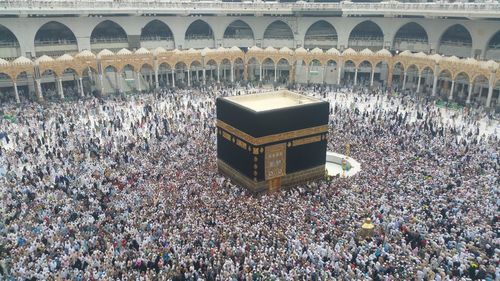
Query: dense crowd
128, 189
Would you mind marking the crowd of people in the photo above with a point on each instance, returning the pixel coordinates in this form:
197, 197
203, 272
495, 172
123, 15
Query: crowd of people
128, 189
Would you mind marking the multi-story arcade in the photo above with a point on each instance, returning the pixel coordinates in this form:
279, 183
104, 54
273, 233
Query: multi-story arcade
71, 49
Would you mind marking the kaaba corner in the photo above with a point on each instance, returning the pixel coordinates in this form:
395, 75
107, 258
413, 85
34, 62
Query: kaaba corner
271, 140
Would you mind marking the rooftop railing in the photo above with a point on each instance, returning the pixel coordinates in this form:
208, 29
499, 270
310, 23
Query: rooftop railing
162, 6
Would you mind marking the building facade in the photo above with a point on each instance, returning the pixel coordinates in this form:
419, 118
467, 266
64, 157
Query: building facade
328, 43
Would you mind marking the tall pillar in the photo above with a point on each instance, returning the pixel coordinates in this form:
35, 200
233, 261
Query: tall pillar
173, 78
189, 77
218, 74
291, 74
245, 72
436, 76
82, 94
39, 89
204, 76
418, 82
60, 88
490, 93
157, 83
16, 92
339, 73
307, 73
260, 72
389, 78
372, 76
355, 76
275, 72
232, 73
490, 89
404, 80
102, 84
471, 87
434, 84
120, 83
139, 86
451, 90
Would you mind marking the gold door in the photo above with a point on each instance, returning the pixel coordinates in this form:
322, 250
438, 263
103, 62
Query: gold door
275, 165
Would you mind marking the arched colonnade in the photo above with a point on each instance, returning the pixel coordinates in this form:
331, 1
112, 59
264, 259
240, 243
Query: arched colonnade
448, 77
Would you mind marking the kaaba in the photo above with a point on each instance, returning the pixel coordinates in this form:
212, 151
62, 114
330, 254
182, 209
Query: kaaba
271, 140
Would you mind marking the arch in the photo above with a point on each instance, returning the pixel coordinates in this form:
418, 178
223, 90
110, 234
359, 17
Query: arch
199, 29
268, 70
156, 30
195, 63
348, 71
366, 34
7, 92
411, 36
90, 85
427, 79
239, 69
493, 47
253, 69
69, 83
315, 62
238, 29
211, 70
278, 30
9, 45
456, 41
49, 85
321, 34
444, 83
53, 34
106, 35
164, 74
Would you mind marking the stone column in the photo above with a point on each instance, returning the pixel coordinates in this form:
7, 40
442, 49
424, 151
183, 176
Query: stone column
355, 76
490, 93
245, 72
60, 88
339, 73
450, 98
260, 72
232, 73
389, 78
82, 94
418, 82
157, 83
404, 80
436, 76
275, 72
471, 87
102, 84
204, 76
16, 92
490, 89
307, 74
372, 76
434, 84
39, 89
189, 77
173, 78
120, 82
218, 74
139, 86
